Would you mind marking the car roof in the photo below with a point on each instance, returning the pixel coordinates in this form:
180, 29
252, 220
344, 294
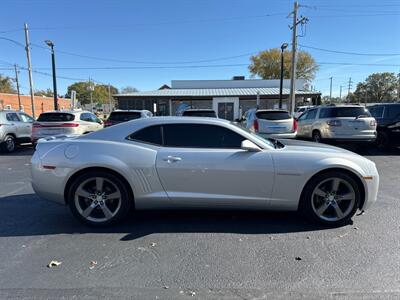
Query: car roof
120, 131
130, 110
272, 110
66, 112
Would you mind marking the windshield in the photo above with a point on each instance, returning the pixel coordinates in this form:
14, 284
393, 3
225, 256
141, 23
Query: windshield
124, 116
343, 112
270, 142
56, 117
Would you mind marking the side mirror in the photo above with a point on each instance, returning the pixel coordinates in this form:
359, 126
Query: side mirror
250, 146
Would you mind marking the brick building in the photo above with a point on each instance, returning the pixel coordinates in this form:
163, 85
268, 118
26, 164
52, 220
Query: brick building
42, 104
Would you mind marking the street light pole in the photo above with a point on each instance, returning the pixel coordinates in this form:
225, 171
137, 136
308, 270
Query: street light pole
283, 47
53, 64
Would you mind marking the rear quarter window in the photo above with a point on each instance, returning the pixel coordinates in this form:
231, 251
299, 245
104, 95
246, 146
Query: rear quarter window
149, 135
273, 115
393, 111
56, 117
200, 113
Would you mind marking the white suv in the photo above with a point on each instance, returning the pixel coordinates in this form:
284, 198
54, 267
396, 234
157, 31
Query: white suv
65, 122
338, 123
15, 127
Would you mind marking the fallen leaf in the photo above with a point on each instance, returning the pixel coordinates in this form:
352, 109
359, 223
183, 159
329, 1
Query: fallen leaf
54, 263
297, 258
308, 237
192, 293
166, 287
355, 228
153, 244
93, 263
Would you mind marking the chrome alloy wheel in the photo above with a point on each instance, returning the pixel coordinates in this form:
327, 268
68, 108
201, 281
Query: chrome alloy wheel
97, 199
333, 199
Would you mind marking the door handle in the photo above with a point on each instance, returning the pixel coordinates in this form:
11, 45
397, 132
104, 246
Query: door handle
171, 159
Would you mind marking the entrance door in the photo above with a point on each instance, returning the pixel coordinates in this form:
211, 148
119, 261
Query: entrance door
225, 110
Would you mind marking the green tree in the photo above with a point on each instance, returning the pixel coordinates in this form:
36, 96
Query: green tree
100, 92
47, 93
378, 87
267, 64
128, 89
6, 85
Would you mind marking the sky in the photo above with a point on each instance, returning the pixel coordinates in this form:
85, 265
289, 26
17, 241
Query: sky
148, 43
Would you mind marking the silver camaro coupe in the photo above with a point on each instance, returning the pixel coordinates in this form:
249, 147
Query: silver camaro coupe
176, 162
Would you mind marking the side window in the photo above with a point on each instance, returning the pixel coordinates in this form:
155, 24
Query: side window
94, 119
86, 117
303, 116
151, 135
377, 111
25, 118
393, 111
13, 117
200, 136
311, 114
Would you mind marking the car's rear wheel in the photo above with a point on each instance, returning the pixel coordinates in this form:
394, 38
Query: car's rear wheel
9, 144
331, 198
382, 141
316, 136
99, 198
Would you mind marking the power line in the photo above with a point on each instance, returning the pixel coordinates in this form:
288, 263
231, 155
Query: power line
349, 53
358, 64
13, 41
147, 62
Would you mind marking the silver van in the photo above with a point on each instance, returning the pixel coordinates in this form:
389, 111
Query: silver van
337, 123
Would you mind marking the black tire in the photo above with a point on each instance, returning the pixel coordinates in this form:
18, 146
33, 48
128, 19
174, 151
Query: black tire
113, 182
382, 141
316, 136
9, 145
307, 202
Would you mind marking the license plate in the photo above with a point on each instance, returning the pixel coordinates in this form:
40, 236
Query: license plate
51, 132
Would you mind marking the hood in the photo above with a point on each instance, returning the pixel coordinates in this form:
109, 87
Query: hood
297, 145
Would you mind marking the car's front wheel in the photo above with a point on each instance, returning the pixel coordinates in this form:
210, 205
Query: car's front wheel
331, 198
99, 198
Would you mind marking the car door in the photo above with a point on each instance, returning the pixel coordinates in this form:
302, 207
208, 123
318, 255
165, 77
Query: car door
308, 122
13, 124
301, 122
203, 165
25, 125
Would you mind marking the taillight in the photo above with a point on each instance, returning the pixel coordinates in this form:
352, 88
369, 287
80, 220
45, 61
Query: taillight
372, 123
294, 125
36, 125
107, 123
335, 123
255, 125
69, 125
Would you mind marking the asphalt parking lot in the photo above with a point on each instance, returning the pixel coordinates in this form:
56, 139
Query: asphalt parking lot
186, 255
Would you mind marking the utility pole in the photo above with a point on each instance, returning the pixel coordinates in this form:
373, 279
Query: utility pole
330, 91
349, 88
28, 56
91, 89
296, 22
340, 93
398, 88
17, 82
53, 66
109, 97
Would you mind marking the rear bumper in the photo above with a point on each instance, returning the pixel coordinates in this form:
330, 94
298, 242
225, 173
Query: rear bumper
288, 135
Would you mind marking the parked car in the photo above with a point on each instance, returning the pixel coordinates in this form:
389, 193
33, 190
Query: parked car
66, 122
270, 122
154, 163
15, 128
200, 113
350, 123
387, 116
301, 109
120, 116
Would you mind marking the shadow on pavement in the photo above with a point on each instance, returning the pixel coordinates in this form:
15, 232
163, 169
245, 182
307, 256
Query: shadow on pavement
28, 215
20, 151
